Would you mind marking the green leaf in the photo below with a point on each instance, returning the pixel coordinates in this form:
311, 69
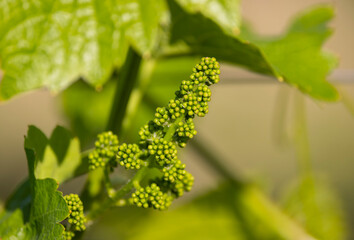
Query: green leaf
313, 204
230, 212
57, 157
48, 209
10, 222
205, 37
296, 57
226, 13
53, 43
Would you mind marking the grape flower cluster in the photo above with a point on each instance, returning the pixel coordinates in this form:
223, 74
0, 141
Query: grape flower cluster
76, 217
106, 148
171, 126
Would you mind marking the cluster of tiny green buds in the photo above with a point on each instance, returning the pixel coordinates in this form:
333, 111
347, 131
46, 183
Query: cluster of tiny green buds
149, 132
174, 172
68, 235
128, 156
185, 185
161, 116
106, 148
175, 109
151, 196
185, 131
203, 93
172, 125
76, 209
207, 71
186, 87
165, 152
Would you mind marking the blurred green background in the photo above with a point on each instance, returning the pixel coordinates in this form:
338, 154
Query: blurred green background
244, 125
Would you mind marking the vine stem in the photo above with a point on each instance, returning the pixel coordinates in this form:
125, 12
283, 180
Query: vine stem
126, 81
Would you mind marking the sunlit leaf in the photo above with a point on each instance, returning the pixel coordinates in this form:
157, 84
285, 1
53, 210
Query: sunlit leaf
57, 157
52, 43
296, 57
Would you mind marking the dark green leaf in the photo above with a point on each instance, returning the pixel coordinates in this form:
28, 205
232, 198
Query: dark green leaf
295, 58
53, 43
226, 13
205, 37
48, 209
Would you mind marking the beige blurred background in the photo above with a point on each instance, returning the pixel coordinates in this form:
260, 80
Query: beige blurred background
246, 109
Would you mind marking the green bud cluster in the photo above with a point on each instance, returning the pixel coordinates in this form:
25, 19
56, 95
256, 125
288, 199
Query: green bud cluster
207, 71
128, 156
161, 116
164, 152
149, 132
191, 99
184, 132
174, 172
176, 109
171, 126
68, 235
106, 148
76, 212
185, 185
151, 196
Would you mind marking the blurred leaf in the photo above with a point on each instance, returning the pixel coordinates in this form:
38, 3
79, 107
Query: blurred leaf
226, 13
52, 44
57, 157
315, 206
86, 122
229, 212
295, 57
10, 222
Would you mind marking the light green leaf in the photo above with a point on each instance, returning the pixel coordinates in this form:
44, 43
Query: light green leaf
230, 212
10, 222
295, 58
226, 13
57, 157
315, 206
53, 43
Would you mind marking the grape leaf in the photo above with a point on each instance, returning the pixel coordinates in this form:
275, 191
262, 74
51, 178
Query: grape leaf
226, 13
56, 157
297, 55
313, 204
295, 58
205, 37
48, 209
53, 43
